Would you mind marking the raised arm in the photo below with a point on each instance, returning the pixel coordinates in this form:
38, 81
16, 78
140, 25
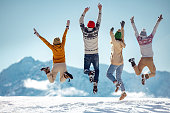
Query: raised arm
43, 39
65, 33
112, 35
134, 27
81, 20
156, 26
122, 32
99, 16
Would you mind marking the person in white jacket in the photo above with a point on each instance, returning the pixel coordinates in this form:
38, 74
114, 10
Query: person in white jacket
117, 41
145, 43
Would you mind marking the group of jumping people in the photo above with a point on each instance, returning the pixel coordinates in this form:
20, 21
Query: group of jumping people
90, 37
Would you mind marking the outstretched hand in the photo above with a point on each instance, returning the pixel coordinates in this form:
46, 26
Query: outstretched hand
68, 23
86, 9
122, 23
160, 18
111, 30
132, 19
36, 33
100, 6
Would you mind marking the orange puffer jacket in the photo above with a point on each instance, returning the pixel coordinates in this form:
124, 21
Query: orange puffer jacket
58, 50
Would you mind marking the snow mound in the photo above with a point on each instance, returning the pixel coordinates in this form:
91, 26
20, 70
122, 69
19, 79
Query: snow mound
83, 105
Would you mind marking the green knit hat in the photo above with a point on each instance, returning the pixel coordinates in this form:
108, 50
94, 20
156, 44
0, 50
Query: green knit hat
118, 35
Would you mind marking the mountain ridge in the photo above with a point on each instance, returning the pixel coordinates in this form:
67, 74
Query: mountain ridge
14, 78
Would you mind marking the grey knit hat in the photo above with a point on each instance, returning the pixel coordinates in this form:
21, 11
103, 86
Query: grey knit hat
143, 33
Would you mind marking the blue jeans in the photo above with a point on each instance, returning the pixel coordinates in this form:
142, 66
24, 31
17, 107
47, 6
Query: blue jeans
119, 69
94, 59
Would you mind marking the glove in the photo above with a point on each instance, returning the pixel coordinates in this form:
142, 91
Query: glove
122, 23
112, 29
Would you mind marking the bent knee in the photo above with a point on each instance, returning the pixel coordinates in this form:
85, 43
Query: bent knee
137, 73
51, 81
109, 74
152, 75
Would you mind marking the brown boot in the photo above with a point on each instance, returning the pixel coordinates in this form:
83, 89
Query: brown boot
123, 95
147, 76
144, 77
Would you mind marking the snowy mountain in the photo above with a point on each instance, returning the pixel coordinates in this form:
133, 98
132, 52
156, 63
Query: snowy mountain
24, 78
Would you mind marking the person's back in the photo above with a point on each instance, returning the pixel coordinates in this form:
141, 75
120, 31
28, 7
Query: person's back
117, 64
58, 49
145, 43
90, 34
58, 54
116, 53
117, 47
90, 38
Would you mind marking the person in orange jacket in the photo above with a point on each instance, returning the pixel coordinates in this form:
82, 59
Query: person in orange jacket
58, 49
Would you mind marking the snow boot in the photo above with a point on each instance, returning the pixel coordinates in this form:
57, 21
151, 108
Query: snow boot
132, 61
117, 87
46, 69
123, 95
68, 75
91, 76
144, 77
95, 87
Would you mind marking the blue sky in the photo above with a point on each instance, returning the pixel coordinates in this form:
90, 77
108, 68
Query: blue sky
19, 17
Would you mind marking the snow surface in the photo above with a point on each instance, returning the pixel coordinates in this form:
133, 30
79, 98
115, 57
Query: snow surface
17, 104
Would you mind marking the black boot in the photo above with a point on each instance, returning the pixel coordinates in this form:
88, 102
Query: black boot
68, 75
132, 61
46, 69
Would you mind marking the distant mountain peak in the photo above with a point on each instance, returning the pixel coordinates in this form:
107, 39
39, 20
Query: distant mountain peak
27, 59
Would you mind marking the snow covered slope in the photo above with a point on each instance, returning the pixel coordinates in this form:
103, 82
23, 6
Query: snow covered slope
24, 78
83, 105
